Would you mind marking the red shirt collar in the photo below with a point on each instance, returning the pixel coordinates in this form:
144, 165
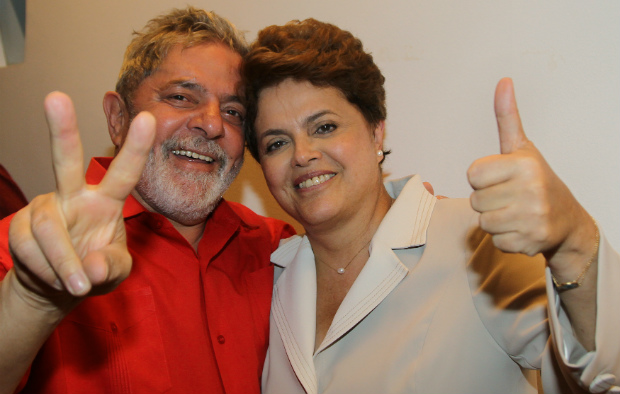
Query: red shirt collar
99, 166
94, 174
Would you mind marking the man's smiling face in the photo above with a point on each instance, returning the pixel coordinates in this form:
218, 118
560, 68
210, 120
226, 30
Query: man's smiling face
198, 150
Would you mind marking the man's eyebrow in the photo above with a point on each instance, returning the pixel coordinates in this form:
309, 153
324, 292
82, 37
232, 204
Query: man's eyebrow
196, 87
231, 98
185, 84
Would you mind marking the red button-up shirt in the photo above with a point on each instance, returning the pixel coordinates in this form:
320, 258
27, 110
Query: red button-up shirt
183, 322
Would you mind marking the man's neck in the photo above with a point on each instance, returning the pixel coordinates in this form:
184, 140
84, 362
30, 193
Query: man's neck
192, 233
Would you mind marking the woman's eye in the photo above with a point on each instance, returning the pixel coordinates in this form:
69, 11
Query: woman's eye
273, 146
326, 128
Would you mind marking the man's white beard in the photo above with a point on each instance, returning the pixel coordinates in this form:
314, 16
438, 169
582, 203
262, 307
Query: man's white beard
185, 197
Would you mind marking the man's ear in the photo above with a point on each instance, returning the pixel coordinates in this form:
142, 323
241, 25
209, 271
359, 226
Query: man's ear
117, 115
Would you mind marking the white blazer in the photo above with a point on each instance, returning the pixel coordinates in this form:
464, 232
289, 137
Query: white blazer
436, 309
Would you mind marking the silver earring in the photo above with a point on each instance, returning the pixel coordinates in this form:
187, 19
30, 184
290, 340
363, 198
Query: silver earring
380, 153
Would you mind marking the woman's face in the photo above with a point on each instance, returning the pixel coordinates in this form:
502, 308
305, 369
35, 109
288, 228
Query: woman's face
318, 153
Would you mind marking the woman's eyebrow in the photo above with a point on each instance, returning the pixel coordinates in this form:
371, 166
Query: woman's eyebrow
272, 132
312, 118
307, 121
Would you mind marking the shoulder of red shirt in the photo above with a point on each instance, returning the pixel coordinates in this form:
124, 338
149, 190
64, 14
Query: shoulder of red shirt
277, 228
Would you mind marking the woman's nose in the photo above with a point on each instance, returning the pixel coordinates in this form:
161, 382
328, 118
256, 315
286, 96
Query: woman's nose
305, 152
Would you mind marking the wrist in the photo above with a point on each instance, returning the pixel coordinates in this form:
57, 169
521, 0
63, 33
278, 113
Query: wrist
50, 308
570, 266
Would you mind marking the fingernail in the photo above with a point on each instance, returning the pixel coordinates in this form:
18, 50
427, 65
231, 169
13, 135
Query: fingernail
78, 283
57, 285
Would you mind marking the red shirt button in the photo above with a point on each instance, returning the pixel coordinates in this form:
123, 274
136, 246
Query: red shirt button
221, 339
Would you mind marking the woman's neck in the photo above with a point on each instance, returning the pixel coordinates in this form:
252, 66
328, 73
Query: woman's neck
340, 254
338, 242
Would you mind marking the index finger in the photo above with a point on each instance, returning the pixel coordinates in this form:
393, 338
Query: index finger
126, 168
67, 154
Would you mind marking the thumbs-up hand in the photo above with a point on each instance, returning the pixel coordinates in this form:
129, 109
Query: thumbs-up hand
522, 202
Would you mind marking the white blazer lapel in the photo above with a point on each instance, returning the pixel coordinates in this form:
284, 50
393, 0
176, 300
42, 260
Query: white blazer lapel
383, 270
294, 309
381, 274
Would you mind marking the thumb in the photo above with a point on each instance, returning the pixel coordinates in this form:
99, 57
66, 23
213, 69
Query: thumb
511, 134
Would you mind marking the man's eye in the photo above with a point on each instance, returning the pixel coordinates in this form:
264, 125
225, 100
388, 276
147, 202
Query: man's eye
234, 113
234, 116
326, 128
178, 97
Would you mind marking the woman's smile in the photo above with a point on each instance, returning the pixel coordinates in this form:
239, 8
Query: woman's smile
307, 181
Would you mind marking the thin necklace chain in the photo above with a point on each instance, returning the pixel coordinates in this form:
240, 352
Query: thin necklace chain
342, 270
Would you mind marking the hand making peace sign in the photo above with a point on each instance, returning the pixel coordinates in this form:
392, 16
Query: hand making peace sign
71, 242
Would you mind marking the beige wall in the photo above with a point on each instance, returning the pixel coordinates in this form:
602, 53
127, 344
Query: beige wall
441, 59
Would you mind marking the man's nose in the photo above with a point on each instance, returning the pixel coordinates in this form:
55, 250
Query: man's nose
209, 120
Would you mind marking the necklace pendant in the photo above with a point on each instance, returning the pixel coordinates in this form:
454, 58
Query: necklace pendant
340, 271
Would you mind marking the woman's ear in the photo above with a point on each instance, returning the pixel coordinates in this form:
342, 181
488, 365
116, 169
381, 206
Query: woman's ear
117, 116
379, 134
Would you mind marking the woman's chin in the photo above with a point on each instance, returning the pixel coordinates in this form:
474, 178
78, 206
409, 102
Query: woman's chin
318, 217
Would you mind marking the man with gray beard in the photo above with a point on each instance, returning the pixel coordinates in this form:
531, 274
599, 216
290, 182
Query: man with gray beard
182, 278
154, 185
